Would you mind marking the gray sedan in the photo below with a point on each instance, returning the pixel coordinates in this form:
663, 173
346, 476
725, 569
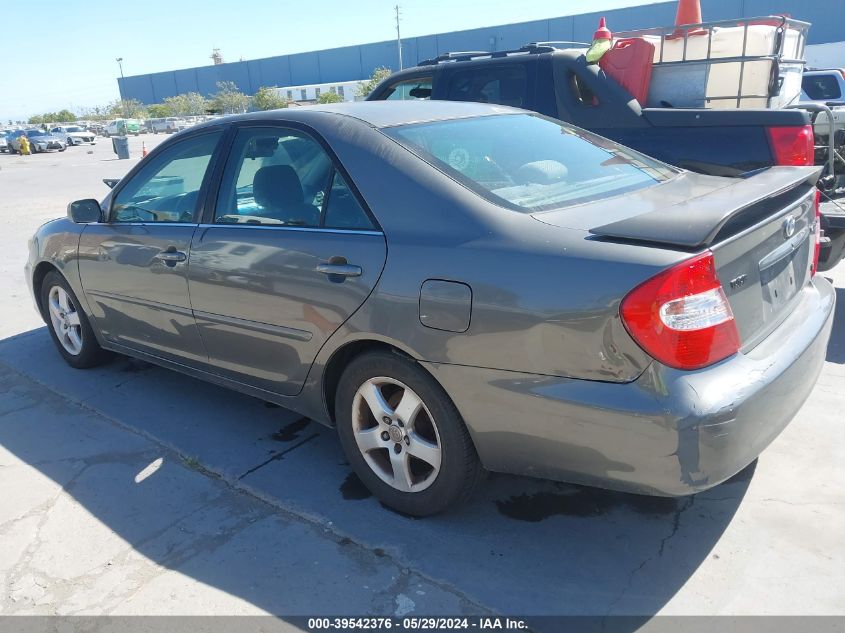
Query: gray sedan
39, 141
457, 288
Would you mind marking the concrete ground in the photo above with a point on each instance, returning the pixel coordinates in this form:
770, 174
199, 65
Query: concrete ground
131, 489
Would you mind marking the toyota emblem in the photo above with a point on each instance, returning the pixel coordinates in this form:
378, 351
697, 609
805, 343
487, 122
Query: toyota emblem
789, 226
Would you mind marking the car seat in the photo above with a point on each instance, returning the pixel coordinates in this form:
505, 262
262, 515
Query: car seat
278, 191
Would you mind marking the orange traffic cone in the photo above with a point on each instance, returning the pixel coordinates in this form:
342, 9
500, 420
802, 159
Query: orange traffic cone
143, 148
689, 12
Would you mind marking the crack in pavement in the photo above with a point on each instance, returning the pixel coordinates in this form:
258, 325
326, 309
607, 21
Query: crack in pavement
676, 524
277, 456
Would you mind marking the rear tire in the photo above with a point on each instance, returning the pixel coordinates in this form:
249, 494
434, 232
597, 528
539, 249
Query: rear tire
68, 324
424, 460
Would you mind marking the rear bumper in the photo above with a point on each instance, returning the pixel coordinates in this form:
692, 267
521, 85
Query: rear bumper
669, 432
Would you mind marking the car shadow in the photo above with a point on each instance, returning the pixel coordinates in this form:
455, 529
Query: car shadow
836, 347
522, 546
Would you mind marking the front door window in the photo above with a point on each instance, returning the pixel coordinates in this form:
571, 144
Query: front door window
167, 188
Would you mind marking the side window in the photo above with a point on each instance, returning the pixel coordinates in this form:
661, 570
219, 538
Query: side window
503, 85
582, 92
342, 209
274, 176
167, 188
409, 90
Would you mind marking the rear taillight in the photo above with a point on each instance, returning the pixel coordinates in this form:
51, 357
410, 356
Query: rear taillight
681, 316
817, 224
793, 145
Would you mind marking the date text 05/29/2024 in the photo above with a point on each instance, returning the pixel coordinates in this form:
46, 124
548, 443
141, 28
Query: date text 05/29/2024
479, 623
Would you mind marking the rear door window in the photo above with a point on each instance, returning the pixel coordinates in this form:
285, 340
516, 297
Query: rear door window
275, 176
504, 85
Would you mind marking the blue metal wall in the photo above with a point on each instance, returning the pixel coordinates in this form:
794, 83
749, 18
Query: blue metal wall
357, 62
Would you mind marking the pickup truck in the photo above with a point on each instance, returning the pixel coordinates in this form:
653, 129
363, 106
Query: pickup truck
558, 82
130, 126
827, 88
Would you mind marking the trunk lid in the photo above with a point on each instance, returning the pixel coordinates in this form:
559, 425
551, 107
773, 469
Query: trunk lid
760, 230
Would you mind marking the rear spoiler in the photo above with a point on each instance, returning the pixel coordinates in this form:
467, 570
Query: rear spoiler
695, 223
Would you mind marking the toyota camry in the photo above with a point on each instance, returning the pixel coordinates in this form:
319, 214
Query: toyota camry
457, 288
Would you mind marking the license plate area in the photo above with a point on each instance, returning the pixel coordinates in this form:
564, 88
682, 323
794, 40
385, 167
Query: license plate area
784, 272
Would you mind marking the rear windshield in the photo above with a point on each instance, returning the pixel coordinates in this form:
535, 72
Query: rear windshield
528, 162
821, 87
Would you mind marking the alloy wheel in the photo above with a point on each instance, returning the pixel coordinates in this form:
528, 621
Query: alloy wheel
396, 434
64, 318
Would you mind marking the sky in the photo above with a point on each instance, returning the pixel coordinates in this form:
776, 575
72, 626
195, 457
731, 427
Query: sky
63, 55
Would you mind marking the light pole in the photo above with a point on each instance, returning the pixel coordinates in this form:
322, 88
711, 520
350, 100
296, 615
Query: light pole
398, 36
119, 61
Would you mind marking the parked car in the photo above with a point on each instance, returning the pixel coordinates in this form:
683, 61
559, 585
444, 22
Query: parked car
554, 304
74, 134
168, 125
4, 143
559, 82
39, 141
113, 128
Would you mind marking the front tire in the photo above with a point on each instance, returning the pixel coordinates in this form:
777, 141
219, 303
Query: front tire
69, 326
403, 435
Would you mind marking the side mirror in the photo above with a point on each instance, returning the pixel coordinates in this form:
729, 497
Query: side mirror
84, 211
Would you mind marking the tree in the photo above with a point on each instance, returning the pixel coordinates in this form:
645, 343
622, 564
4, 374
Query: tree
65, 116
62, 116
127, 108
329, 97
268, 99
159, 111
187, 104
228, 99
96, 113
366, 87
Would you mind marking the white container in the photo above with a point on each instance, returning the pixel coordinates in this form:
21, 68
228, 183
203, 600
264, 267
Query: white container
727, 84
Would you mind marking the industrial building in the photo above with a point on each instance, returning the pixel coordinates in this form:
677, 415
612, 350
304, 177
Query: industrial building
352, 63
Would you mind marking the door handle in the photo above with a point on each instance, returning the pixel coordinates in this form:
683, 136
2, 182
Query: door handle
172, 257
340, 270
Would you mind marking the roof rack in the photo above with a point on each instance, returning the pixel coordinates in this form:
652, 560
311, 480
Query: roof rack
532, 48
561, 44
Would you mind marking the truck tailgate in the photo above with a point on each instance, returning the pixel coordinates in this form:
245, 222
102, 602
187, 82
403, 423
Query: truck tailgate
696, 117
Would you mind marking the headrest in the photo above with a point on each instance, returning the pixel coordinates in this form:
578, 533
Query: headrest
277, 187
